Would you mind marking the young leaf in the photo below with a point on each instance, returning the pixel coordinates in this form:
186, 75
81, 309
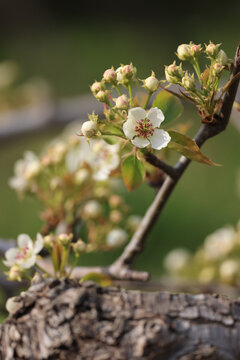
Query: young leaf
133, 172
188, 147
100, 279
170, 105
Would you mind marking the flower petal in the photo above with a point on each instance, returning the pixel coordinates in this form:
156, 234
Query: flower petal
38, 245
28, 263
24, 240
160, 139
140, 142
10, 256
136, 114
156, 116
129, 129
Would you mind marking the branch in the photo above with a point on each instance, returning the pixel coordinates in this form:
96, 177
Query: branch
155, 161
206, 131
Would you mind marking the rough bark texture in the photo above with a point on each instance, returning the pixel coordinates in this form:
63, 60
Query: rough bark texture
64, 320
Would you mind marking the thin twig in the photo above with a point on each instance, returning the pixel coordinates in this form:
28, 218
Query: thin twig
155, 161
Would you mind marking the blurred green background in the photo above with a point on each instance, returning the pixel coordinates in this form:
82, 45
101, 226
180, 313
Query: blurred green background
70, 44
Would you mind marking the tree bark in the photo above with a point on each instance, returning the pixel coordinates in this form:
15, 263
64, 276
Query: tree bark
61, 320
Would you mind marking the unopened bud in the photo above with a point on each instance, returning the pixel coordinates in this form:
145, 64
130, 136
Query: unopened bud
218, 68
184, 52
126, 73
79, 247
15, 273
212, 49
222, 58
80, 176
188, 82
110, 75
115, 216
173, 73
89, 129
195, 50
151, 83
122, 102
65, 239
97, 86
116, 237
102, 96
115, 201
92, 209
48, 241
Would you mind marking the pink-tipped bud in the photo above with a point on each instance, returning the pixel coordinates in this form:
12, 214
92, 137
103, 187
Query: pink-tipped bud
195, 50
122, 102
188, 82
212, 50
97, 86
110, 75
173, 73
218, 68
102, 96
126, 73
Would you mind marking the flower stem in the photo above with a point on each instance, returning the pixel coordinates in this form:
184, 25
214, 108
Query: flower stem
196, 67
147, 100
43, 270
130, 94
118, 89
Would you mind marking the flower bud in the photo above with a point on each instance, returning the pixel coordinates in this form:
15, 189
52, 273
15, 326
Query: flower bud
173, 73
92, 209
126, 73
79, 247
65, 239
195, 50
134, 221
217, 68
151, 83
115, 216
80, 176
110, 75
212, 49
102, 96
222, 58
228, 270
115, 201
97, 86
89, 129
32, 169
122, 102
188, 82
116, 237
48, 241
184, 52
15, 273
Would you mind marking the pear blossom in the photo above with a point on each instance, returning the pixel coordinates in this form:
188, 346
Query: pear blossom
25, 255
142, 128
219, 243
24, 170
176, 260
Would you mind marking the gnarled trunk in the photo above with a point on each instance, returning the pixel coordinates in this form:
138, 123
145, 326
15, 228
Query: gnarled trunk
67, 320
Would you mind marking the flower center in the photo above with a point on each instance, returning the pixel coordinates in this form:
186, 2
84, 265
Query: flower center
144, 128
23, 253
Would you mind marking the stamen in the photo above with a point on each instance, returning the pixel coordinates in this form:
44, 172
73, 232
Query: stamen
144, 128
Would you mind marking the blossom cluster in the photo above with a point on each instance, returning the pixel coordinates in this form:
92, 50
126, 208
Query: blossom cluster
216, 260
201, 87
77, 182
133, 122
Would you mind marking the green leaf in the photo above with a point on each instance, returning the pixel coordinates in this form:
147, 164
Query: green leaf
170, 105
100, 279
188, 147
133, 172
112, 130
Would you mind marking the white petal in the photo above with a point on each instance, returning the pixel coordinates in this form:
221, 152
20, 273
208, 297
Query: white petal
156, 116
24, 240
28, 263
129, 129
10, 256
160, 139
140, 142
38, 245
136, 114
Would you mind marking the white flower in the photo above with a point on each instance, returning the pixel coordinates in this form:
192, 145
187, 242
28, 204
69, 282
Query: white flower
103, 159
24, 170
219, 243
25, 254
116, 237
12, 305
176, 260
142, 128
